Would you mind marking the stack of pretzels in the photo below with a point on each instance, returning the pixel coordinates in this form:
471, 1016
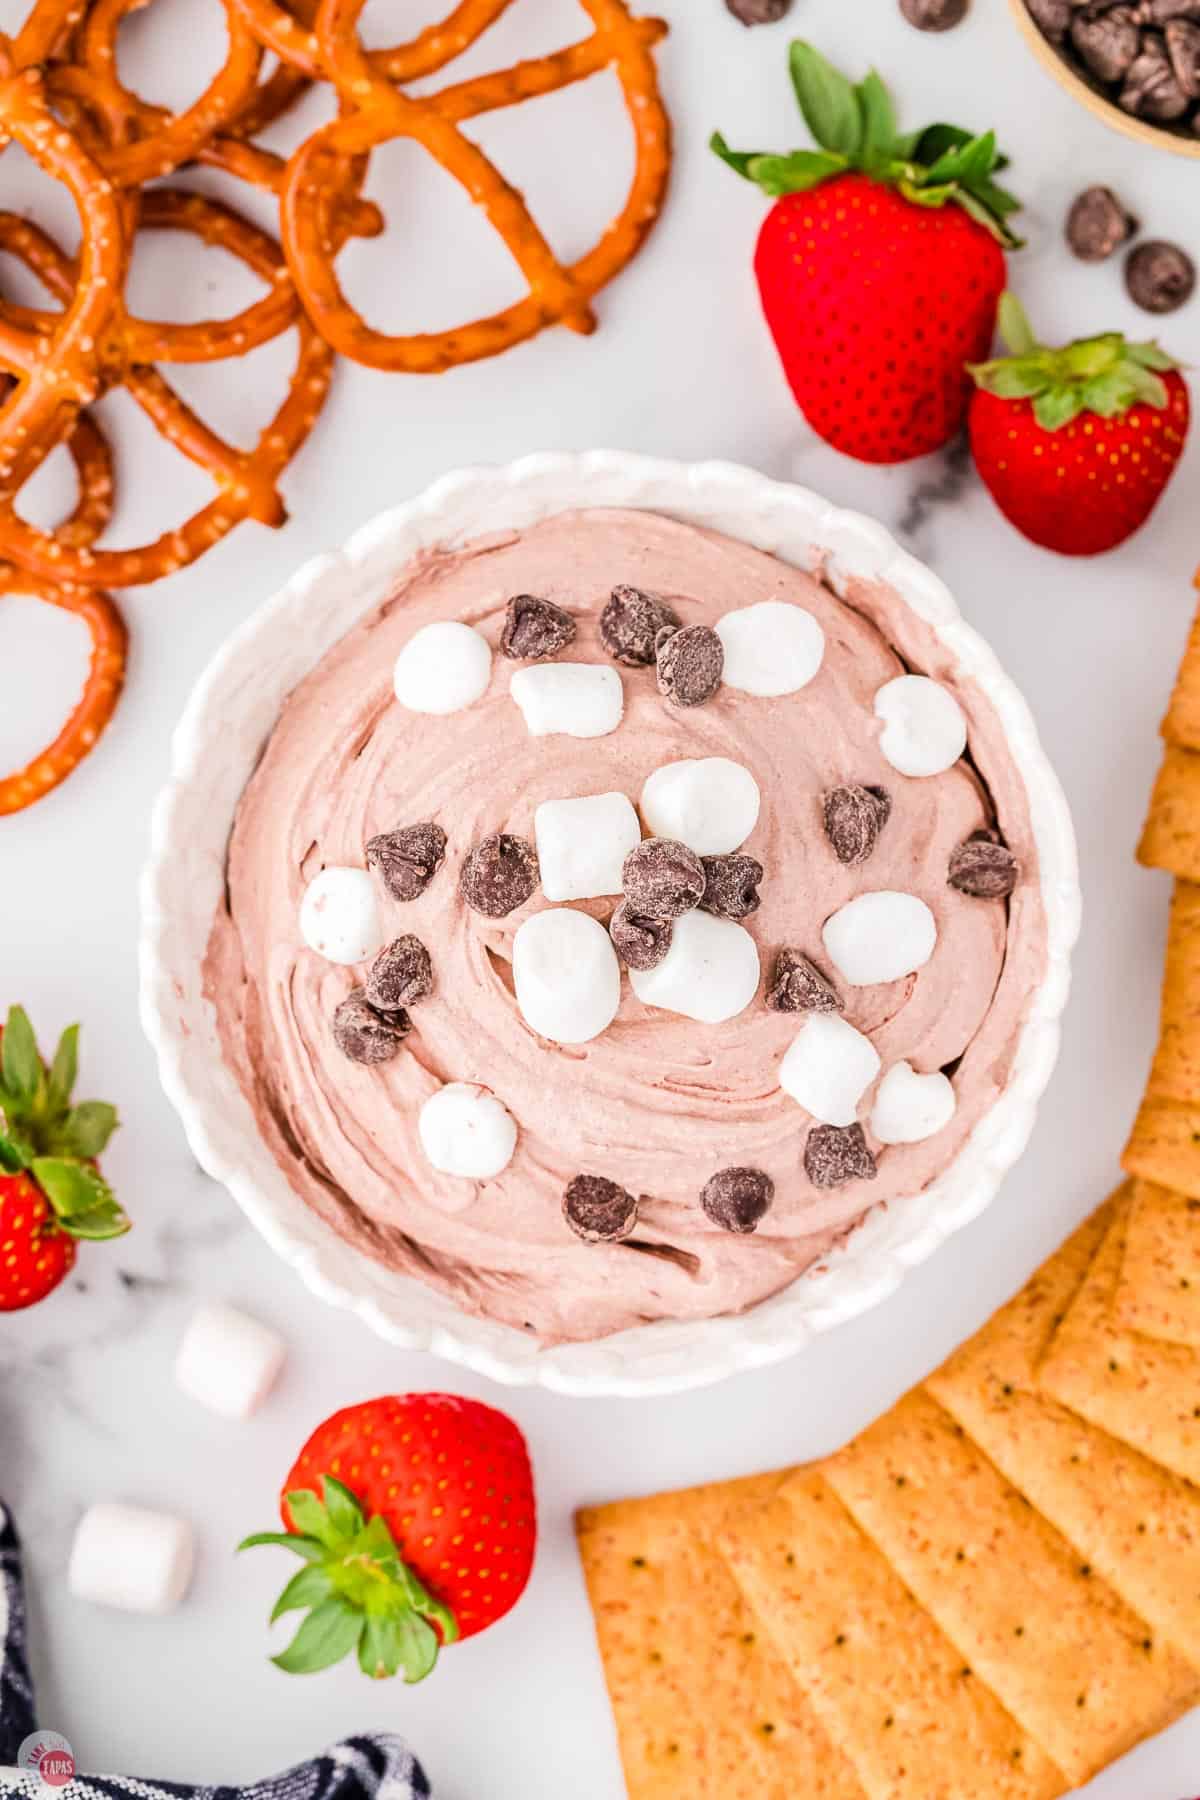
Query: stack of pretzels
61, 98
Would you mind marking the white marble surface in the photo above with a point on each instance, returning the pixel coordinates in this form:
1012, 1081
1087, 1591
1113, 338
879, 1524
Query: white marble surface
681, 366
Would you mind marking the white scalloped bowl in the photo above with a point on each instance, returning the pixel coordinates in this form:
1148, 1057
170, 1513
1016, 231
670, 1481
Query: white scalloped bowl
219, 739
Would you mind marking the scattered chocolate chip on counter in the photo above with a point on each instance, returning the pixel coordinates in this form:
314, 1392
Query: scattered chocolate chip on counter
401, 975
662, 879
630, 624
1159, 276
640, 942
499, 875
599, 1211
1098, 224
690, 663
935, 15
407, 860
737, 1199
984, 867
731, 886
364, 1033
836, 1154
758, 12
854, 818
534, 629
797, 985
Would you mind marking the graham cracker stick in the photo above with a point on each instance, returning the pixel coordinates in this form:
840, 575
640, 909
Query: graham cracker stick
1158, 1289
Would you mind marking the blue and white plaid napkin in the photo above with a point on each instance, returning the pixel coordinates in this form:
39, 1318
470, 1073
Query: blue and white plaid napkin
377, 1767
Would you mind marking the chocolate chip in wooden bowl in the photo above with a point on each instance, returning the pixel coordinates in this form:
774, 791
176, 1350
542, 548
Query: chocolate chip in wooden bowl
836, 1154
854, 818
408, 859
534, 629
366, 1034
630, 624
1151, 90
935, 15
1097, 224
499, 875
662, 879
758, 12
1159, 276
984, 867
1182, 38
731, 886
599, 1211
640, 942
1052, 18
737, 1199
401, 975
690, 663
797, 985
1107, 39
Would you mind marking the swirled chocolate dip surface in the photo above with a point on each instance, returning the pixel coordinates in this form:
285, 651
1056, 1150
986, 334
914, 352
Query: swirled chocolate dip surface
657, 1103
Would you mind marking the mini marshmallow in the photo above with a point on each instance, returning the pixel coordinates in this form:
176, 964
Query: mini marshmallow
829, 1068
566, 975
582, 844
880, 937
228, 1361
710, 972
772, 648
584, 700
909, 1107
924, 729
339, 916
131, 1558
465, 1130
710, 804
443, 668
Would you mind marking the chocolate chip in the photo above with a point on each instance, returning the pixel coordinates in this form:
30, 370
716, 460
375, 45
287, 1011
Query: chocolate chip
838, 1153
1160, 12
797, 985
854, 818
1151, 90
690, 663
401, 975
366, 1034
630, 624
599, 1211
1107, 39
758, 12
934, 15
1159, 276
499, 875
534, 628
407, 860
1097, 224
1052, 17
662, 879
731, 886
1183, 48
736, 1199
640, 942
984, 867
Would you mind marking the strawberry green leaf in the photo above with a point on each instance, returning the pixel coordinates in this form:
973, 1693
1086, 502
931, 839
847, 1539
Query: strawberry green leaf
418, 1647
1014, 325
1017, 379
12, 1157
1147, 387
739, 160
1150, 356
878, 116
308, 1547
381, 1647
312, 1517
63, 1070
831, 107
85, 1131
345, 1513
309, 1586
71, 1187
329, 1632
19, 1059
796, 173
99, 1225
926, 146
1057, 408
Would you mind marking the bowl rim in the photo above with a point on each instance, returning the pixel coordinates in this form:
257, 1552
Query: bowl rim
230, 713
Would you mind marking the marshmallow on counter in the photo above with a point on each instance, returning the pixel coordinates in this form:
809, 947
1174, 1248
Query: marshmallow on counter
829, 1068
582, 844
465, 1130
443, 668
772, 648
710, 973
131, 1558
880, 937
909, 1107
228, 1361
339, 915
708, 803
924, 729
566, 975
583, 700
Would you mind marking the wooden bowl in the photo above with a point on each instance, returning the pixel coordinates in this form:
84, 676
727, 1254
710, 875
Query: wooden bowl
1182, 143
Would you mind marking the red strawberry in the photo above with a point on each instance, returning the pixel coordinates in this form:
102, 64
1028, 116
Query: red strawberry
416, 1520
51, 1192
880, 265
1076, 445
